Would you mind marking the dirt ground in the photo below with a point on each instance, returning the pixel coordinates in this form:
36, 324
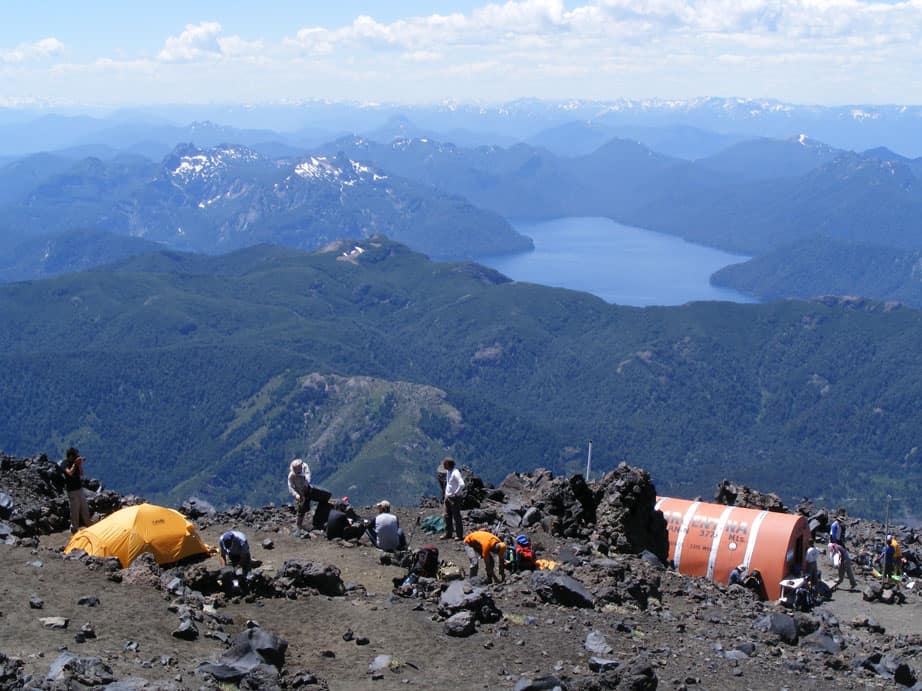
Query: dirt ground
682, 639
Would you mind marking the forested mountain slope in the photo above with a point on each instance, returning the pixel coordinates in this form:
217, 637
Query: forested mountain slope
175, 373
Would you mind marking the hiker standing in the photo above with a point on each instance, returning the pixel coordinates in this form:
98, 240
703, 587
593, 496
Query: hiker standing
385, 532
836, 535
235, 550
484, 545
897, 556
299, 486
454, 489
811, 563
886, 558
843, 562
73, 481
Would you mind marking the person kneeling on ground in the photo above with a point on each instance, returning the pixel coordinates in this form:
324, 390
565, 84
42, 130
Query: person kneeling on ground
385, 532
343, 522
235, 550
485, 545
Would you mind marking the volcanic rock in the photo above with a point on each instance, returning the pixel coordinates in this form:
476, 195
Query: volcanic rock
461, 624
89, 671
560, 589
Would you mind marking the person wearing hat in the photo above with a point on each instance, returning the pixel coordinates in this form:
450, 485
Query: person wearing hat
235, 550
385, 532
299, 486
481, 544
738, 575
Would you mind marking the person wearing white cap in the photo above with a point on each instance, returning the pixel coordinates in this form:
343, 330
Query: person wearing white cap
737, 575
299, 486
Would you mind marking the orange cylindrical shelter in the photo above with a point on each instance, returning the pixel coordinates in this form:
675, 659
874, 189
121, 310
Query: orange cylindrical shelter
710, 540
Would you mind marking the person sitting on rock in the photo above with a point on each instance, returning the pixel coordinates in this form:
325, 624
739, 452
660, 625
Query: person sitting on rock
481, 544
343, 522
235, 550
737, 575
385, 532
73, 482
299, 486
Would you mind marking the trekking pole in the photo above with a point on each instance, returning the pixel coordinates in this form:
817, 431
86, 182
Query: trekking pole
887, 524
589, 461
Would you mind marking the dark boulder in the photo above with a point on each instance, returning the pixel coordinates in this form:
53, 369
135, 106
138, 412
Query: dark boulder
251, 648
324, 578
560, 589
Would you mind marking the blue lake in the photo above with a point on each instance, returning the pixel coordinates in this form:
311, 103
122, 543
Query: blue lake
620, 264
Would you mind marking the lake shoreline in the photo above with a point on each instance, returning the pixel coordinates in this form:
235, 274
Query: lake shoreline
620, 264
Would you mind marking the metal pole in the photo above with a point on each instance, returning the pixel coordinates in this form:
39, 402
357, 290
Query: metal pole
887, 527
589, 461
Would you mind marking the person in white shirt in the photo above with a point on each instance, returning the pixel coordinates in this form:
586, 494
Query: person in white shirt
811, 563
454, 491
299, 486
385, 531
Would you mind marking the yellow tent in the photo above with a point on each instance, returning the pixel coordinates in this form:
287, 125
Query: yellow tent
128, 532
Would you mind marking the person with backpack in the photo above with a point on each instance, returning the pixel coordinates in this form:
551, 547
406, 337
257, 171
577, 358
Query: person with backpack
481, 544
454, 495
811, 562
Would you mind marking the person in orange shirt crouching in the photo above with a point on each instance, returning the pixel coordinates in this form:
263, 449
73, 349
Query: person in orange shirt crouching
485, 545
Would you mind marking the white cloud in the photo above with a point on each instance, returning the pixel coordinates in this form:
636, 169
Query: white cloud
203, 41
26, 52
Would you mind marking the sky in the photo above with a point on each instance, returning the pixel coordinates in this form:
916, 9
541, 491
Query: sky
120, 53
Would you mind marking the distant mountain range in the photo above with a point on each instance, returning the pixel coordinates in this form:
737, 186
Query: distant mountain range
750, 198
177, 374
225, 197
307, 124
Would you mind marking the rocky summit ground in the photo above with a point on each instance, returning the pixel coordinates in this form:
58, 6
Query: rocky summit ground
326, 614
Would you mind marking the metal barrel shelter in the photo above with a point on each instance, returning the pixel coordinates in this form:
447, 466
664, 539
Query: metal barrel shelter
710, 540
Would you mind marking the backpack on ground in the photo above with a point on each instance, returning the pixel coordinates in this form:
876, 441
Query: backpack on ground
803, 599
426, 561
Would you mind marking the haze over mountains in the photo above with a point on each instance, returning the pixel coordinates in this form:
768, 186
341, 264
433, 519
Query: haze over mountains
451, 199
251, 356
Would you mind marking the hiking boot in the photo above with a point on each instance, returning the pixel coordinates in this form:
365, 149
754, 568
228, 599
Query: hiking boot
445, 537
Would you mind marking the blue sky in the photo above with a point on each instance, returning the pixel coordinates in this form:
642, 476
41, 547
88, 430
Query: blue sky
120, 53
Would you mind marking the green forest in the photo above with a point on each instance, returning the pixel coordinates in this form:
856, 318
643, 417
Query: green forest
179, 374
